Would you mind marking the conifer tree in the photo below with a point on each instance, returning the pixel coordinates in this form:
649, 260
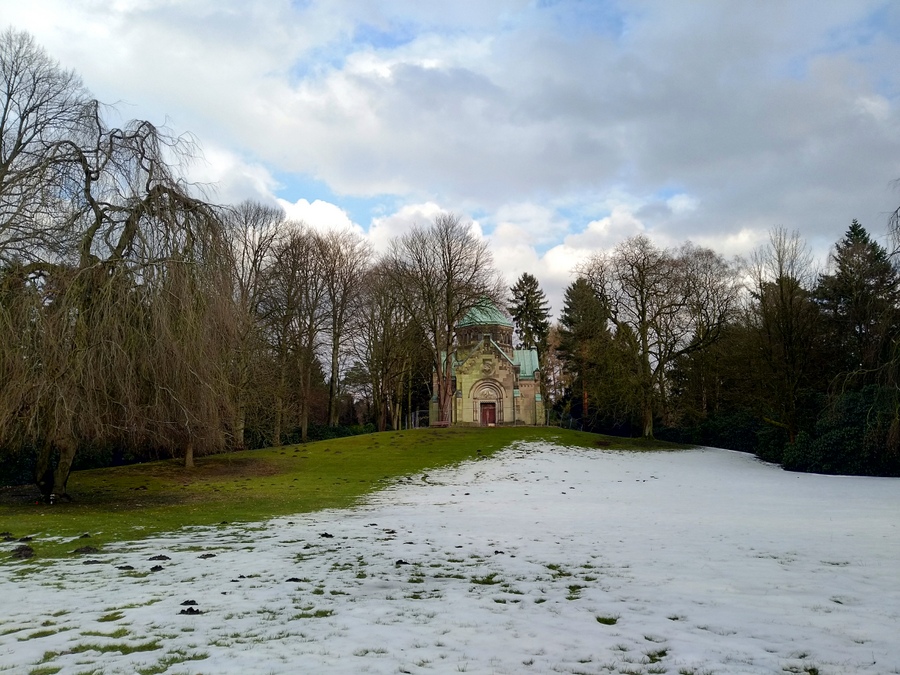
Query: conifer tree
531, 312
582, 326
859, 298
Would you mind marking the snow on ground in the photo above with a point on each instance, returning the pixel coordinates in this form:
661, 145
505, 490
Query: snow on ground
541, 559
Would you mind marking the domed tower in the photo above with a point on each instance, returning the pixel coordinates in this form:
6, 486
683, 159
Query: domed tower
493, 383
485, 322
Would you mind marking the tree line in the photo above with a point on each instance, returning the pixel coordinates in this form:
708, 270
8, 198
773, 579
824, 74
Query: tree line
140, 320
766, 355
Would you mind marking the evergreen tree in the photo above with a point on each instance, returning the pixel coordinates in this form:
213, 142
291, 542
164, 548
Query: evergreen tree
603, 366
531, 312
582, 319
858, 431
859, 299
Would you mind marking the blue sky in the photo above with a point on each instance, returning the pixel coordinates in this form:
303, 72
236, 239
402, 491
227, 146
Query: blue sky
559, 128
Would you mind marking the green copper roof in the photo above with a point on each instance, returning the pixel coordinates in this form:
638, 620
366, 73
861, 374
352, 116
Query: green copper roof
527, 360
485, 314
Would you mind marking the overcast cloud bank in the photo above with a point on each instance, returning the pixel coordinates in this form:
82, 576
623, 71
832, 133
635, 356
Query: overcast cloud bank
560, 127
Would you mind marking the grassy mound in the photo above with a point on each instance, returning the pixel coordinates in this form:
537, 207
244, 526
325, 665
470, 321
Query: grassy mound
130, 502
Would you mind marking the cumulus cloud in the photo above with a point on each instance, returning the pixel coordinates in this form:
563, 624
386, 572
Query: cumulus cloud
606, 232
319, 215
385, 228
231, 179
513, 243
526, 221
682, 204
710, 121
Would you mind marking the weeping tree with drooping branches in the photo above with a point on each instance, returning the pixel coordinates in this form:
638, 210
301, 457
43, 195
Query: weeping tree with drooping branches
115, 316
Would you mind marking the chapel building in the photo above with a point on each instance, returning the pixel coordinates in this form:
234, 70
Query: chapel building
493, 383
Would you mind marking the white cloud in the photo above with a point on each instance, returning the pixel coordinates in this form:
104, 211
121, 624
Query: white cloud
877, 106
526, 221
319, 215
384, 229
230, 178
776, 115
557, 269
731, 244
682, 203
606, 232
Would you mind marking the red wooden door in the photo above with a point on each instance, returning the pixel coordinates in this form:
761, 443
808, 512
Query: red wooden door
488, 414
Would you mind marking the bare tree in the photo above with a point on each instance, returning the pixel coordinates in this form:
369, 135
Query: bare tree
108, 318
386, 344
674, 303
253, 231
190, 342
443, 271
41, 105
345, 258
296, 310
784, 320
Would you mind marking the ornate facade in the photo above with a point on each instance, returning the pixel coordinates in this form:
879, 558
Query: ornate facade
493, 383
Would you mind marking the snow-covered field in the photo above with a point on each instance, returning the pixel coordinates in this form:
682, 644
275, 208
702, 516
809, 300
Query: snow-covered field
542, 559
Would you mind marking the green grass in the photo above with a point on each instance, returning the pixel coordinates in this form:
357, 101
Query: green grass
116, 634
558, 571
317, 614
657, 655
171, 659
575, 591
121, 647
131, 502
39, 634
112, 616
487, 580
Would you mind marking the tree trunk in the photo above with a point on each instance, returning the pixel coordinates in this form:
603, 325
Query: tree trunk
409, 410
377, 404
333, 411
646, 382
304, 423
647, 413
445, 397
189, 455
276, 430
304, 404
63, 469
240, 422
43, 471
584, 400
647, 402
398, 405
52, 480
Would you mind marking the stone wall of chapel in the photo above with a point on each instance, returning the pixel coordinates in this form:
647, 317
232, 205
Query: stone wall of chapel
488, 376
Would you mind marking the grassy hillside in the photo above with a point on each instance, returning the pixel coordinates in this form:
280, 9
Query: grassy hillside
130, 502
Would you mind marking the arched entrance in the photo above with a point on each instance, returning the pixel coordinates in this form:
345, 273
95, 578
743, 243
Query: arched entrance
487, 403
